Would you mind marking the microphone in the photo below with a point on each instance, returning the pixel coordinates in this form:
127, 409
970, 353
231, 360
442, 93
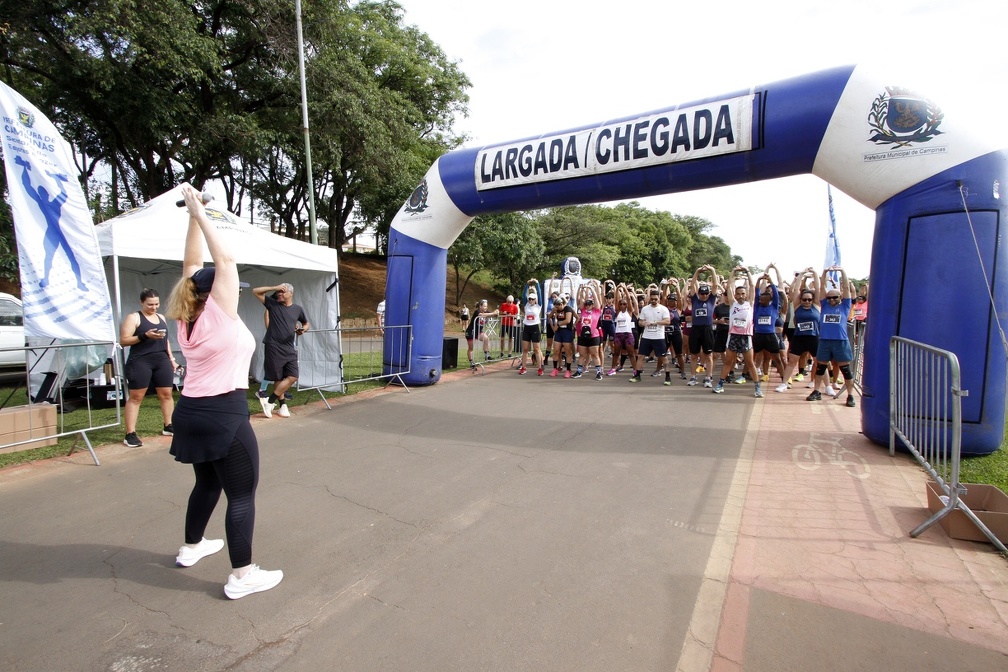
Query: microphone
205, 196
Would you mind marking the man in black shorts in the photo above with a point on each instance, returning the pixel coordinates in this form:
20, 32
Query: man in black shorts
280, 363
702, 300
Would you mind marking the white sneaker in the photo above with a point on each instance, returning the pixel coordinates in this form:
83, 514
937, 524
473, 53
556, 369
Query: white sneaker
781, 388
829, 391
267, 407
255, 581
190, 555
283, 411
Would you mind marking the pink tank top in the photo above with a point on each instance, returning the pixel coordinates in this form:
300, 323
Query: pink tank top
217, 353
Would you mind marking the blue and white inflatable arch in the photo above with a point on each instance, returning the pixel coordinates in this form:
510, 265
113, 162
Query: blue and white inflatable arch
891, 149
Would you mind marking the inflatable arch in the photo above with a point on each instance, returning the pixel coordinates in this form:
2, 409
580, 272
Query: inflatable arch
932, 182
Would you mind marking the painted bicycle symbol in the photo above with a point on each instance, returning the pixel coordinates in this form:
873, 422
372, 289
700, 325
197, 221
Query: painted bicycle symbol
810, 455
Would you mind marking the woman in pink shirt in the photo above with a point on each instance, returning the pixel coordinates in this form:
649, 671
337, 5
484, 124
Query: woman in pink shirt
211, 420
589, 332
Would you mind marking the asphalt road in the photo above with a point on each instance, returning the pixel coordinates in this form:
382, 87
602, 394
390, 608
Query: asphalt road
497, 522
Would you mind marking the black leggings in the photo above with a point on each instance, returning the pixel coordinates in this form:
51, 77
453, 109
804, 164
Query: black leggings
237, 474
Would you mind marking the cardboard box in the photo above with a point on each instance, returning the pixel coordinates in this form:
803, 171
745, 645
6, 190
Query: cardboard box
988, 503
20, 423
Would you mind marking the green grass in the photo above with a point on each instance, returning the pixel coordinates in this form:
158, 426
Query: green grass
988, 470
148, 423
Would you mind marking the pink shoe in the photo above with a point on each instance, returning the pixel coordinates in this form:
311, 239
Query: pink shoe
553, 373
611, 372
567, 374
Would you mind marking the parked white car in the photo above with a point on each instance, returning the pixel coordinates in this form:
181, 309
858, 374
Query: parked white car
11, 333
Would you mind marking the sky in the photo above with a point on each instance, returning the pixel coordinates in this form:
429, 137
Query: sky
542, 66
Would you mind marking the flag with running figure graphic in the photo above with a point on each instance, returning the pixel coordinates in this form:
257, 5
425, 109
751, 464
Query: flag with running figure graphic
63, 288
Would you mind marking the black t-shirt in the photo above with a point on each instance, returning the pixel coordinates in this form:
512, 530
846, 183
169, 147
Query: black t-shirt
721, 312
282, 321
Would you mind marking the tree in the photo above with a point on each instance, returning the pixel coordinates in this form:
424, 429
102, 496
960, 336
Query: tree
159, 92
382, 100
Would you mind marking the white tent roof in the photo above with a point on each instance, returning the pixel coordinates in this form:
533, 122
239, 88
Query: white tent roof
157, 230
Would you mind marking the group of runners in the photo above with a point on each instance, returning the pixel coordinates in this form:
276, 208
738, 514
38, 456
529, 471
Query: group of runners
754, 323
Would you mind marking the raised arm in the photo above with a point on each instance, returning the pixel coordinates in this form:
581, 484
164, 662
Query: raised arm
845, 285
225, 285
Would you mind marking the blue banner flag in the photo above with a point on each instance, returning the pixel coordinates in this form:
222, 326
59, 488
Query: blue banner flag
63, 287
832, 244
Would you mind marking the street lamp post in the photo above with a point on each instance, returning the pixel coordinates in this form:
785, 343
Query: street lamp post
304, 120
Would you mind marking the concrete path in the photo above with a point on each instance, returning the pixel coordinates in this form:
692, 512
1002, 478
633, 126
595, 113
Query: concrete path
505, 522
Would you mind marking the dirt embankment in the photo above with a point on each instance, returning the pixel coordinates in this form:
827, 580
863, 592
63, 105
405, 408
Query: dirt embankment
362, 287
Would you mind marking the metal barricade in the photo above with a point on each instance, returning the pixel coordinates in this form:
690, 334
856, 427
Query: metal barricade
492, 329
330, 359
84, 362
858, 346
925, 415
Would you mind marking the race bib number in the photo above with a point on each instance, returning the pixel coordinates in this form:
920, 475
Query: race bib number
763, 319
622, 322
700, 312
858, 312
831, 319
739, 323
806, 326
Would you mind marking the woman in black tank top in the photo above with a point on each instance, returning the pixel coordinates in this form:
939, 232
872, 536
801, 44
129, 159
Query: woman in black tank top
150, 360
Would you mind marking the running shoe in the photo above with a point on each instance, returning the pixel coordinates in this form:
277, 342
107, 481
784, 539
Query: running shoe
668, 381
850, 401
741, 380
132, 440
759, 392
190, 555
719, 389
577, 374
283, 411
268, 407
521, 371
540, 371
830, 392
567, 373
781, 388
554, 373
800, 377
707, 382
168, 430
657, 372
815, 396
262, 394
598, 375
692, 381
635, 378
765, 378
611, 372
256, 581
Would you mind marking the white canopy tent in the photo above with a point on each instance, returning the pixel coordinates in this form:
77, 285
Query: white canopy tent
143, 248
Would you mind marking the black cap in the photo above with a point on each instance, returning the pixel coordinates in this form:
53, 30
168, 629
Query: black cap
204, 279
